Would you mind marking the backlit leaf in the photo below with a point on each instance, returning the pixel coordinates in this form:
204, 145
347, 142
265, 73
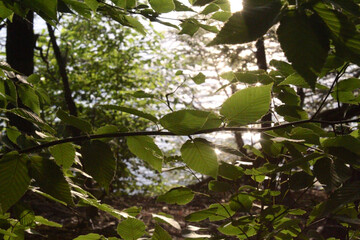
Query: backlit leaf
64, 154
247, 105
14, 180
201, 215
145, 148
189, 121
50, 178
131, 228
300, 36
200, 157
218, 186
199, 79
160, 234
131, 111
249, 24
83, 125
180, 196
343, 32
93, 4
99, 162
162, 6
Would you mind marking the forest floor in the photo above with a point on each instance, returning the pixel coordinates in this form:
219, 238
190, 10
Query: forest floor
75, 221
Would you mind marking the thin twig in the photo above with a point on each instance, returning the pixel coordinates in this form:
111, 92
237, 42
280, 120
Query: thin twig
338, 76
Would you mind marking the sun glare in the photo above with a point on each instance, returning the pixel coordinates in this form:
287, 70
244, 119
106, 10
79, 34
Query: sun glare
236, 5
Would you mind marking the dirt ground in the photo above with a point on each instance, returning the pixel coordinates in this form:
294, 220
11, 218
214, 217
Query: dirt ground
75, 221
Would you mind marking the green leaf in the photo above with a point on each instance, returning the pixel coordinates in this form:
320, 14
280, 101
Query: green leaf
14, 179
348, 5
90, 236
333, 62
201, 215
210, 8
105, 130
145, 148
297, 212
160, 234
135, 24
200, 157
246, 77
99, 162
345, 91
199, 79
23, 213
168, 220
295, 79
50, 178
325, 173
218, 186
180, 196
4, 11
221, 16
43, 221
300, 180
162, 6
181, 7
47, 7
223, 4
79, 7
83, 125
131, 229
300, 37
241, 203
249, 24
291, 113
93, 4
348, 142
230, 171
189, 27
349, 192
142, 94
185, 122
200, 2
343, 32
36, 190
297, 162
133, 211
64, 154
8, 233
88, 199
231, 230
305, 133
125, 3
32, 117
283, 67
223, 212
247, 105
131, 111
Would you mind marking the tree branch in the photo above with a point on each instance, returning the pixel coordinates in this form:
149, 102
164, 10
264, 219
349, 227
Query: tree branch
161, 133
62, 70
338, 76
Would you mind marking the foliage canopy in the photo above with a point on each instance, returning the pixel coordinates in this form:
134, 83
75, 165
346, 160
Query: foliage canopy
308, 149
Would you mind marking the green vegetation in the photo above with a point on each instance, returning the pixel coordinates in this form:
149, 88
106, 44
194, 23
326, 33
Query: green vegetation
74, 131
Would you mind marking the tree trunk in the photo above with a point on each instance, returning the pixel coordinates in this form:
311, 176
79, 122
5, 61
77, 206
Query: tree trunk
261, 63
20, 44
62, 70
